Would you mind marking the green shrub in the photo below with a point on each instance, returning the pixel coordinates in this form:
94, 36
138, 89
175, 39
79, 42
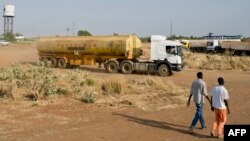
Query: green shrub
88, 97
5, 74
90, 82
63, 91
77, 79
19, 74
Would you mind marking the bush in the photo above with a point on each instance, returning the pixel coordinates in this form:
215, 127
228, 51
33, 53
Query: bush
43, 80
84, 33
112, 87
6, 91
9, 37
88, 97
19, 75
5, 74
77, 79
62, 90
90, 82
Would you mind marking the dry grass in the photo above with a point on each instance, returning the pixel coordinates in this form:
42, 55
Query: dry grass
167, 87
216, 61
41, 83
147, 93
112, 87
146, 50
209, 61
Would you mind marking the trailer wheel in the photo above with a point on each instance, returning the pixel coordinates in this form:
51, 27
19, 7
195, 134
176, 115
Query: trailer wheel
61, 63
53, 62
243, 53
163, 70
112, 67
127, 67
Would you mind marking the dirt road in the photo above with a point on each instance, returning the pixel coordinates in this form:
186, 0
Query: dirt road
62, 118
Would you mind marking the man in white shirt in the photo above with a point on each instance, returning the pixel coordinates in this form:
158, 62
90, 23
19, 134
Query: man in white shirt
220, 107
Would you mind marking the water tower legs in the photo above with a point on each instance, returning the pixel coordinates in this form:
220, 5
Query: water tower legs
8, 25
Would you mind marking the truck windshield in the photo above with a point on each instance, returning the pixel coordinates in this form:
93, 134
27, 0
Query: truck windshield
170, 49
179, 51
209, 43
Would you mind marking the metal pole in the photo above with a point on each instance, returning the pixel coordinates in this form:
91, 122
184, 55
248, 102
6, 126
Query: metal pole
171, 29
11, 30
4, 25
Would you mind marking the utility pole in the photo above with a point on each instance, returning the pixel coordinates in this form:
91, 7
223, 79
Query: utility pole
171, 29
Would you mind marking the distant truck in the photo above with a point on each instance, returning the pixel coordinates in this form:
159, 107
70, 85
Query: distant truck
197, 45
186, 44
194, 45
237, 47
118, 53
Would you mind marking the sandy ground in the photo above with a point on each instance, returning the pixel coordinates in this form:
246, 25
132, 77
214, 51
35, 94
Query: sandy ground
75, 121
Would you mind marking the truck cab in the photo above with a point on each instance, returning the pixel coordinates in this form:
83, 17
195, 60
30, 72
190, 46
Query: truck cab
213, 46
167, 51
166, 57
185, 43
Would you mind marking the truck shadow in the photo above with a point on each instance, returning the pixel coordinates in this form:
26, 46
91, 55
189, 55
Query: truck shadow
163, 125
102, 70
29, 63
95, 69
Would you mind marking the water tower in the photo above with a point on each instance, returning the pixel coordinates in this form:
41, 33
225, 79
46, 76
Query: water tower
8, 15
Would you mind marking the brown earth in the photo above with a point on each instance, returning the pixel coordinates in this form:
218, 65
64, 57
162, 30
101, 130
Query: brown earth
62, 118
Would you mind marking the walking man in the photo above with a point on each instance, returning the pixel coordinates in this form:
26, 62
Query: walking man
198, 91
220, 107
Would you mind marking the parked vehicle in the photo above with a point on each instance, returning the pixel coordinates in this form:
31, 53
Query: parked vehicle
197, 45
4, 43
186, 44
237, 47
118, 53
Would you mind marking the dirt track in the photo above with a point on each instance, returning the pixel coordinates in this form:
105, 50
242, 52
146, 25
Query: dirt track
70, 120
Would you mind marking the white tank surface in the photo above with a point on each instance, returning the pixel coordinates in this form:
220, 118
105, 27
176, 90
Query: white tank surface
9, 10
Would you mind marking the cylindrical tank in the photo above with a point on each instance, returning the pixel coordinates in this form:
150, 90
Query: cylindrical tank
127, 45
9, 10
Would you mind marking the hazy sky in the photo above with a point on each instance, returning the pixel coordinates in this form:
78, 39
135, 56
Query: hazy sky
142, 17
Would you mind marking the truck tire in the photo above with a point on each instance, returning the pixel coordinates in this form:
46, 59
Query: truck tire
243, 53
127, 67
112, 67
61, 63
163, 70
53, 62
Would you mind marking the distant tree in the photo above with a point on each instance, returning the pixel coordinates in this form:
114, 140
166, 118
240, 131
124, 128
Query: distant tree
9, 37
18, 34
84, 33
246, 39
115, 34
180, 37
192, 37
145, 39
173, 37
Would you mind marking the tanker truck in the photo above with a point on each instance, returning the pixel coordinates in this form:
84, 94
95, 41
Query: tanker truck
118, 53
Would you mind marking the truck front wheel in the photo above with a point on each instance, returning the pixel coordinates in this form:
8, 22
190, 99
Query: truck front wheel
112, 67
62, 63
127, 67
163, 70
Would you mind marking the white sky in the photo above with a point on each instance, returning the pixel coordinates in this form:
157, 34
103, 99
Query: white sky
142, 17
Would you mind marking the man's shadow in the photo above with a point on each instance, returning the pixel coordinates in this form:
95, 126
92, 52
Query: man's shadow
163, 125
